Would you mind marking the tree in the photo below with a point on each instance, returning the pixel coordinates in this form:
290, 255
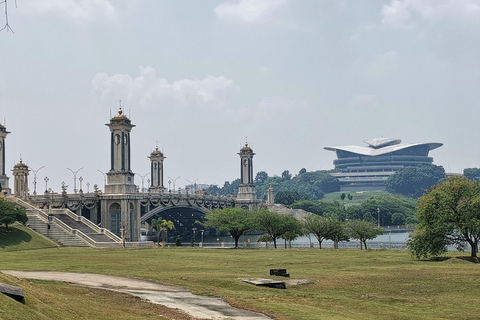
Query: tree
289, 197
472, 173
265, 238
449, 214
302, 171
414, 181
261, 177
274, 224
9, 213
162, 226
293, 233
237, 221
338, 232
286, 175
394, 209
363, 230
318, 226
342, 196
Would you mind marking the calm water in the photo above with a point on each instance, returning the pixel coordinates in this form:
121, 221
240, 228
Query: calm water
387, 240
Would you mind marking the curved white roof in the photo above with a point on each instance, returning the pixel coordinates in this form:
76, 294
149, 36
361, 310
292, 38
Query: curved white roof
375, 148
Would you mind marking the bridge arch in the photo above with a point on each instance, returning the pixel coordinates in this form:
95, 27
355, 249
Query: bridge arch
185, 218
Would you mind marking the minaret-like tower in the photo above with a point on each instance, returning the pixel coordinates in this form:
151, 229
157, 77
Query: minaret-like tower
156, 170
20, 172
246, 189
3, 176
120, 177
270, 196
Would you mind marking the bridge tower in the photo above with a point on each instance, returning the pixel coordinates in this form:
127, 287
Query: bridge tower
20, 172
3, 176
120, 206
156, 170
120, 177
247, 196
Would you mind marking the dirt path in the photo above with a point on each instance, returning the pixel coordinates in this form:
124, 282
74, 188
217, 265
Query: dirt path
170, 296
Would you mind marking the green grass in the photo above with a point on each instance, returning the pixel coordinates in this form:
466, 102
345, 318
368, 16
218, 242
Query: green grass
348, 284
358, 197
19, 237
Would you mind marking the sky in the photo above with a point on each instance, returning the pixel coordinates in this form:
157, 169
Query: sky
201, 78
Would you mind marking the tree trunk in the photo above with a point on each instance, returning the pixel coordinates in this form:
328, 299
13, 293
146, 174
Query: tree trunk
319, 244
275, 243
236, 242
365, 244
474, 249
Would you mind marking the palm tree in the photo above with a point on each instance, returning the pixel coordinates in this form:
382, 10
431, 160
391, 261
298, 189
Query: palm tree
162, 226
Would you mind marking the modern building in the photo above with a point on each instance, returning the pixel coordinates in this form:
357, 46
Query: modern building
364, 168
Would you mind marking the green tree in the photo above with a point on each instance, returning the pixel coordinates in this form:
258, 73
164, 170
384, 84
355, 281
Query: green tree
286, 175
265, 238
338, 232
390, 206
449, 214
288, 197
318, 226
321, 208
295, 231
472, 173
363, 230
9, 213
162, 226
414, 181
237, 221
342, 196
260, 178
302, 171
274, 224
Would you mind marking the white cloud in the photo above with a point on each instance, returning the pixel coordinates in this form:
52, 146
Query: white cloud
405, 13
249, 11
76, 9
148, 89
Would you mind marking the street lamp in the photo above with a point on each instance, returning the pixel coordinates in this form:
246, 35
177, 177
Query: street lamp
35, 179
75, 179
174, 180
143, 179
202, 231
193, 242
46, 184
193, 184
104, 179
81, 180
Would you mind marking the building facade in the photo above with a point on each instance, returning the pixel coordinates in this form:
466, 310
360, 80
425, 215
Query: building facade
366, 168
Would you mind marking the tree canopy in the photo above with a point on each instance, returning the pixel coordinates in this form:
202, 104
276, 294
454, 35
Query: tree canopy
363, 230
394, 210
311, 184
472, 173
234, 220
9, 213
287, 197
274, 224
449, 214
414, 181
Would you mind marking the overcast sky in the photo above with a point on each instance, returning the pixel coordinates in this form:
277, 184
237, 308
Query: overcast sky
201, 77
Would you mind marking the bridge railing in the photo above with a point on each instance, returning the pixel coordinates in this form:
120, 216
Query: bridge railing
28, 207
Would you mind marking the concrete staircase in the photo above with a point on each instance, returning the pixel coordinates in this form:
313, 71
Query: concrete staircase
69, 229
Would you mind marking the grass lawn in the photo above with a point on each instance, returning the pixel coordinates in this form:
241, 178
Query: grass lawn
348, 284
19, 237
358, 197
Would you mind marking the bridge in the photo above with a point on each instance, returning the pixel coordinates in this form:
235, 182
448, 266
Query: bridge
121, 209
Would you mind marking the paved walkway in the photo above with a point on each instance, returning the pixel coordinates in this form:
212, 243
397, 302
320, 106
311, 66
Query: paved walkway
170, 296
